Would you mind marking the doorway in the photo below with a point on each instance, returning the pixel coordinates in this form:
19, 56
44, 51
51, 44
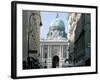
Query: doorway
55, 62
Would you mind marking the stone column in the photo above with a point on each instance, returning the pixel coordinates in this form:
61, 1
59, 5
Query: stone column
42, 51
49, 64
62, 51
48, 51
60, 56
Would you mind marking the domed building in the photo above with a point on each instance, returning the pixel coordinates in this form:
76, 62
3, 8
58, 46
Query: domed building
54, 49
57, 30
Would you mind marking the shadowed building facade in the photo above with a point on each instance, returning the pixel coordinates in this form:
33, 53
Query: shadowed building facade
79, 38
31, 38
83, 41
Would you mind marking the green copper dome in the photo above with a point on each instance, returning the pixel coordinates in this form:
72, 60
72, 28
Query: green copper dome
57, 24
57, 30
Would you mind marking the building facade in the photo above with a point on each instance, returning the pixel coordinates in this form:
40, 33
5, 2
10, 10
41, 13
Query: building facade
83, 41
54, 53
79, 38
54, 49
72, 24
31, 38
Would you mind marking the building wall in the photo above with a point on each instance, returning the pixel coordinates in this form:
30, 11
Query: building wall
31, 31
79, 37
83, 40
72, 24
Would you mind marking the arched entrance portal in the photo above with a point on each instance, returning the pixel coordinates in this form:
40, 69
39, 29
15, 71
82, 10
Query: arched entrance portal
55, 62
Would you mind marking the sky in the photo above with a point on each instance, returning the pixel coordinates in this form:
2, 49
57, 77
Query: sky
47, 18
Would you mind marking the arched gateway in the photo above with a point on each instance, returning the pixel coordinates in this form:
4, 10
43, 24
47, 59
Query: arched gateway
55, 62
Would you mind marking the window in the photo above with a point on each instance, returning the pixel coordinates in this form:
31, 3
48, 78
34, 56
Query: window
45, 55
